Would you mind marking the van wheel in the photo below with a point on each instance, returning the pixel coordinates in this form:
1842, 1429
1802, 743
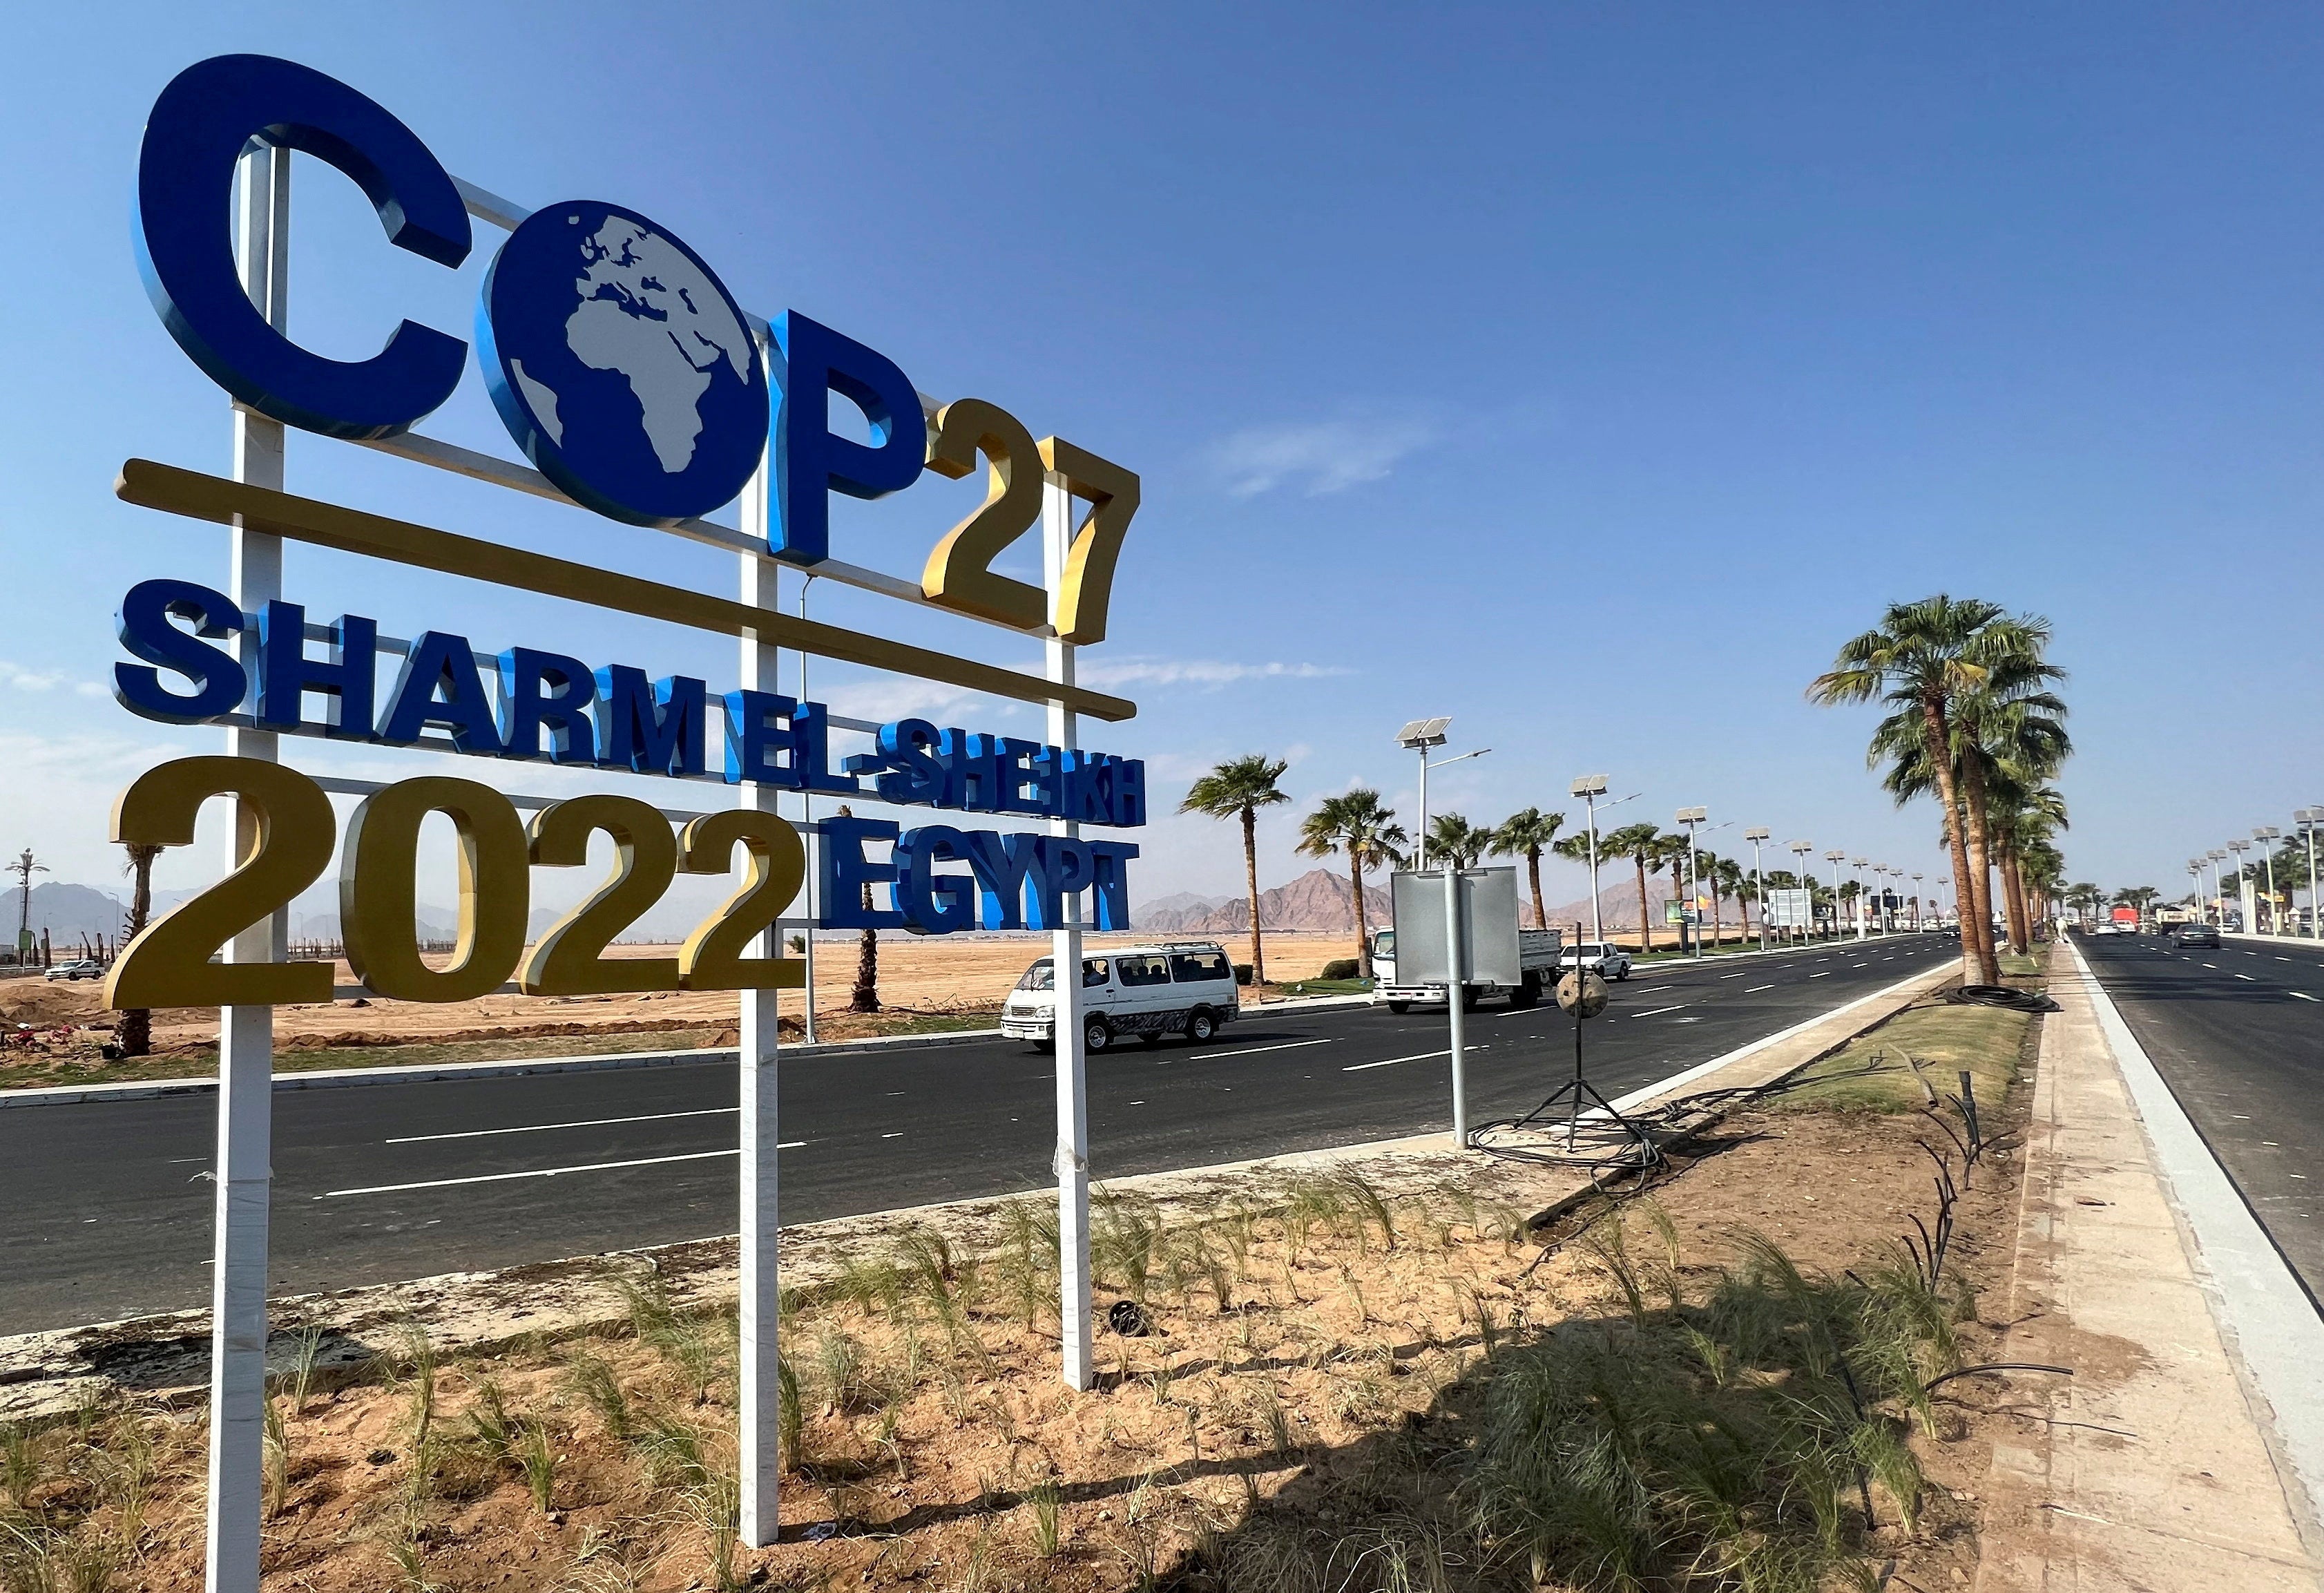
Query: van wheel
1527, 993
1201, 1026
1399, 1007
1096, 1035
1625, 973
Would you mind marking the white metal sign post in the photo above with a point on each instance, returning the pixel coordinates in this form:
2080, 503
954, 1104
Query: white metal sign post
244, 1172
1077, 1352
758, 1372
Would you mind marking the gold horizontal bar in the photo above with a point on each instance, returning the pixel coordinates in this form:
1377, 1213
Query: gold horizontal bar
351, 531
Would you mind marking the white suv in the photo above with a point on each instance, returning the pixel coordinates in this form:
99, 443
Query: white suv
86, 968
1602, 958
1179, 988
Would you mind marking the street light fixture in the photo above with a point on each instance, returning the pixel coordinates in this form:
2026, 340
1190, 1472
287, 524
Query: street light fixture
1857, 867
1690, 817
2265, 834
1835, 858
1803, 850
1758, 881
1589, 788
1419, 737
2214, 857
2308, 818
1917, 878
2239, 846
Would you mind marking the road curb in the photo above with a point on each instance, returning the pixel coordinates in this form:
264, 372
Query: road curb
2271, 1327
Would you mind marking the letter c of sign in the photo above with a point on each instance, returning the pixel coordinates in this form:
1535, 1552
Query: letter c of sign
197, 130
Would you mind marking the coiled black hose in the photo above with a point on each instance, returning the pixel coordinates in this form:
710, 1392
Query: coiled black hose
2007, 996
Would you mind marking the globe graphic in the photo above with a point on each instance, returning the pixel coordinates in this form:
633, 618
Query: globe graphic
620, 364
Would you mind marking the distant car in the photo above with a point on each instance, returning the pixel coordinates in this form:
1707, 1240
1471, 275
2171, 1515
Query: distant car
1602, 958
2195, 934
86, 968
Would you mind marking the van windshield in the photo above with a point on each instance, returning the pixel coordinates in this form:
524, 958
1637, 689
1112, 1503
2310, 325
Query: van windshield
1384, 943
1041, 976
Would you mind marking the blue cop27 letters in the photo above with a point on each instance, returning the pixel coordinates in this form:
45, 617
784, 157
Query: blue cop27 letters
616, 359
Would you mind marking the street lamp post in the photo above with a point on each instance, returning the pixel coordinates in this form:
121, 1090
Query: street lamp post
1802, 851
2195, 871
1589, 788
1420, 736
2266, 834
1758, 882
2216, 856
2243, 879
1917, 878
1690, 817
2308, 818
1835, 859
1856, 867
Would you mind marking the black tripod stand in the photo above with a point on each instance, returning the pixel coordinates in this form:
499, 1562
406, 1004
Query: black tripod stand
1588, 999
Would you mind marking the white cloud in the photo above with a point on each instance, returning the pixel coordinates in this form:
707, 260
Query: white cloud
17, 676
1319, 457
1198, 671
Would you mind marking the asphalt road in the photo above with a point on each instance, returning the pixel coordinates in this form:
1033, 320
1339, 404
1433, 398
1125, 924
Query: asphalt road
2238, 1035
108, 1204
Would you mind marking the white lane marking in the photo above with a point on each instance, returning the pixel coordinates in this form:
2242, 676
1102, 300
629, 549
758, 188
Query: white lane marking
1734, 975
1252, 1050
1418, 1056
2212, 966
801, 1144
897, 1134
444, 1183
1826, 974
2283, 960
2246, 977
1655, 990
413, 1139
2303, 995
1655, 1011
1755, 989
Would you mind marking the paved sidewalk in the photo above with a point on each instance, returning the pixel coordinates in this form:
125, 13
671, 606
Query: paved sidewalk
2161, 1464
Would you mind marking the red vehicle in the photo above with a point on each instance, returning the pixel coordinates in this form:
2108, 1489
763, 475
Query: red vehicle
2124, 921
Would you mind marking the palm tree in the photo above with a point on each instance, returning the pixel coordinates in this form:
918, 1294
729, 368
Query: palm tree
136, 1033
1642, 843
1926, 660
1526, 835
1725, 872
1238, 789
1355, 823
865, 996
1670, 856
2138, 898
1457, 841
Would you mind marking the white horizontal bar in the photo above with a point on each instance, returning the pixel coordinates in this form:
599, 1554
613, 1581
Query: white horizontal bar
488, 207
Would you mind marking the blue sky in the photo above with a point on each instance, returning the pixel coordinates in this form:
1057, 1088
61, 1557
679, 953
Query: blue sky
1588, 374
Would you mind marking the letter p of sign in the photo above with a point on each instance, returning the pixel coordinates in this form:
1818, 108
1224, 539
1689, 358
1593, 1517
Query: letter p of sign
809, 461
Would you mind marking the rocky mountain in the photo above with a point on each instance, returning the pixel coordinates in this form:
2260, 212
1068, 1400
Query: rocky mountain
1319, 899
67, 911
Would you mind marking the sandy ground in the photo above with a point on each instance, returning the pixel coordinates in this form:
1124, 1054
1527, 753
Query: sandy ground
959, 974
1299, 1373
